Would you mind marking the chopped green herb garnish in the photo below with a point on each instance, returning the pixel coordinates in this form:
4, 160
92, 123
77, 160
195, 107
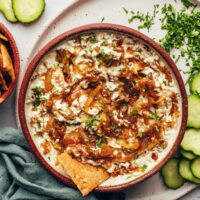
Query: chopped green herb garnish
183, 34
102, 19
118, 132
124, 69
55, 91
114, 127
43, 99
89, 121
62, 149
100, 141
110, 62
136, 156
129, 177
105, 55
144, 88
107, 113
39, 121
155, 117
101, 102
125, 10
37, 91
187, 3
157, 129
139, 134
135, 112
177, 59
67, 124
146, 19
73, 118
35, 107
94, 40
36, 134
55, 65
90, 49
38, 97
144, 167
75, 80
86, 141
127, 150
104, 43
46, 140
165, 83
121, 79
110, 91
49, 158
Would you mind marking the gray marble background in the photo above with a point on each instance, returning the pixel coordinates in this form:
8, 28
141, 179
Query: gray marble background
7, 109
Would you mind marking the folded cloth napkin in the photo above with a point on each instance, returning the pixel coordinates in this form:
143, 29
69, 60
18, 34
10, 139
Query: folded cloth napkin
22, 176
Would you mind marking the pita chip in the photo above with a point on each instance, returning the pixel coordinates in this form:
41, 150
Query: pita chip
85, 176
3, 37
3, 82
7, 62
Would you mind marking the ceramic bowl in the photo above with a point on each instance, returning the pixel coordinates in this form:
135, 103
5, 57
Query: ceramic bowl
12, 48
121, 29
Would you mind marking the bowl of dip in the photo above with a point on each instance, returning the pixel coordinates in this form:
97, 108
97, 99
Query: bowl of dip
109, 96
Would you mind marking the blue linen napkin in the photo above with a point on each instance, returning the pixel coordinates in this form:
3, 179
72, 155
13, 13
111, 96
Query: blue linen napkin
22, 176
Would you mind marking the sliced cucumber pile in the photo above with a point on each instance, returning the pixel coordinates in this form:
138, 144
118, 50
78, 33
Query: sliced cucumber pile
25, 11
191, 141
193, 111
171, 176
188, 155
6, 9
195, 84
185, 171
195, 167
189, 158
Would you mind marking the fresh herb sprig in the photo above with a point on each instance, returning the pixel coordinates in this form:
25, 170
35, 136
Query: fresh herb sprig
147, 20
37, 92
183, 33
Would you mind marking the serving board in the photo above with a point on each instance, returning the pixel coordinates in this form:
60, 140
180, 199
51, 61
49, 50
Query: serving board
74, 13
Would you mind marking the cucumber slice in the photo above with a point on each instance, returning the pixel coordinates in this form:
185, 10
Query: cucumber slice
195, 84
187, 154
193, 111
191, 141
170, 175
185, 171
6, 9
27, 11
195, 167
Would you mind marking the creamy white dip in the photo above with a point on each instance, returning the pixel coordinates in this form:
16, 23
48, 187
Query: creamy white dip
90, 50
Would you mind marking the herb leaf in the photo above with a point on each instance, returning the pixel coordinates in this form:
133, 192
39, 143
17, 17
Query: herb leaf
144, 167
135, 112
100, 141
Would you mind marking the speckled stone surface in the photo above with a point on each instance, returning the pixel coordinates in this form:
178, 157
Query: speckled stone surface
23, 35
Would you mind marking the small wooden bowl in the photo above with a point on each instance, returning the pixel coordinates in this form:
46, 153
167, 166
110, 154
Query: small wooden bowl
13, 51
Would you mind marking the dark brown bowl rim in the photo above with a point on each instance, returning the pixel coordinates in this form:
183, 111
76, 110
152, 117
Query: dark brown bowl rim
92, 27
15, 59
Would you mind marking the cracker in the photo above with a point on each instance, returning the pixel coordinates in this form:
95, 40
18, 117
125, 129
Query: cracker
3, 37
3, 82
85, 176
7, 62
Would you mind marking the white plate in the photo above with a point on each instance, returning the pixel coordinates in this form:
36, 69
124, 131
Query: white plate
76, 13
